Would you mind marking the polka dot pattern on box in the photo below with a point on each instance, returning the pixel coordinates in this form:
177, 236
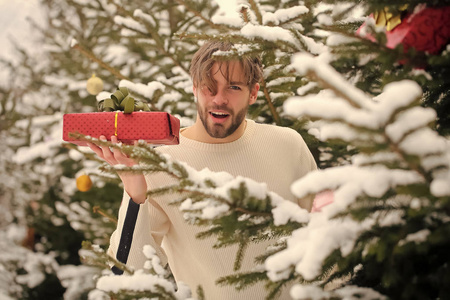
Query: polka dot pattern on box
153, 127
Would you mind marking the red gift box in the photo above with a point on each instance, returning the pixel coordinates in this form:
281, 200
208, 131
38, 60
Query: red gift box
153, 127
427, 29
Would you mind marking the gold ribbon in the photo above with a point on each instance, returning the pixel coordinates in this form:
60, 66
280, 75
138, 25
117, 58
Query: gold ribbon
388, 18
115, 123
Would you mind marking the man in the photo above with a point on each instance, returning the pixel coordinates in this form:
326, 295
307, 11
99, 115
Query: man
221, 139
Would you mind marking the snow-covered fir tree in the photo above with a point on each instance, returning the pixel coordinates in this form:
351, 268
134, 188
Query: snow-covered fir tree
364, 109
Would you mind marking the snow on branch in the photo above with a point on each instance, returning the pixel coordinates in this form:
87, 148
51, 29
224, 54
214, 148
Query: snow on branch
152, 281
309, 246
146, 90
346, 292
398, 153
211, 198
284, 15
130, 24
227, 20
350, 182
329, 107
138, 13
306, 64
268, 33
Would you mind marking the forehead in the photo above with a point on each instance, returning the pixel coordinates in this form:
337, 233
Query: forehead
230, 71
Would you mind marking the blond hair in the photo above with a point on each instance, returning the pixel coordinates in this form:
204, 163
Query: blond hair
203, 61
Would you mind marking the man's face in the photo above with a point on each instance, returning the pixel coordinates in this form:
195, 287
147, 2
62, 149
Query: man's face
223, 113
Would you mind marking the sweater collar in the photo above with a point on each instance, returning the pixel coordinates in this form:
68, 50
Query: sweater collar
250, 128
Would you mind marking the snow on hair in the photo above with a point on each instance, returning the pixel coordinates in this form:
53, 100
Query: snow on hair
203, 61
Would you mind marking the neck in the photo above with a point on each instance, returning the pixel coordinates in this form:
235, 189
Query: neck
198, 133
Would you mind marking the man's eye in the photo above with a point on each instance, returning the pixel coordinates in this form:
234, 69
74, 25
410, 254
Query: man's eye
206, 90
235, 87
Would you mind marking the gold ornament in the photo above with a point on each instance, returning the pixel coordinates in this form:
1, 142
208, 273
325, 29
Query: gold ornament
84, 183
94, 85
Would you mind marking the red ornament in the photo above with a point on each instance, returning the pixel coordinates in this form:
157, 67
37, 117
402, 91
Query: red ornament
426, 29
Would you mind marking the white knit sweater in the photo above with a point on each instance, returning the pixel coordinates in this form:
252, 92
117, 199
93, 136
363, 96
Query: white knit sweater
275, 155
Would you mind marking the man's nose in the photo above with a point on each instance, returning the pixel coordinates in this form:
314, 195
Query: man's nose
221, 97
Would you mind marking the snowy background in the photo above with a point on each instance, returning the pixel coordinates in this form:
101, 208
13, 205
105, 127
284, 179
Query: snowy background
14, 25
358, 180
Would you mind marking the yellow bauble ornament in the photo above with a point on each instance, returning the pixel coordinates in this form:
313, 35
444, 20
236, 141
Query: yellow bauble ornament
84, 183
94, 85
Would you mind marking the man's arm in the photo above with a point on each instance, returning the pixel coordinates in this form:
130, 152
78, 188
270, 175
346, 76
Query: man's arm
306, 202
134, 184
146, 230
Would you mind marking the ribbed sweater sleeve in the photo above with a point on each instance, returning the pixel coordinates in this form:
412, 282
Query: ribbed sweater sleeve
145, 232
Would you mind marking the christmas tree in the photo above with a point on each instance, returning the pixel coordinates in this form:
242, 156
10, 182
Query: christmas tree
363, 105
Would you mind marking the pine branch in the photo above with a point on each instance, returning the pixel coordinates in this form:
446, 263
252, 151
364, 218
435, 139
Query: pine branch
366, 46
340, 91
159, 293
245, 14
297, 19
413, 164
256, 10
199, 15
101, 258
238, 38
98, 210
245, 280
154, 35
351, 94
200, 293
272, 108
242, 280
243, 245
86, 52
242, 218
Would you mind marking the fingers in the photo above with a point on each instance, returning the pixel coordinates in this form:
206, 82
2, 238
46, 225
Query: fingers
120, 157
115, 156
111, 155
96, 149
104, 152
108, 156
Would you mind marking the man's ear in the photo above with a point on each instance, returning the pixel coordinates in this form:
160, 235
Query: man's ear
194, 90
254, 94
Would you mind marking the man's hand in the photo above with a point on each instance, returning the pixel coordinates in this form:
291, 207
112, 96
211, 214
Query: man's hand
134, 184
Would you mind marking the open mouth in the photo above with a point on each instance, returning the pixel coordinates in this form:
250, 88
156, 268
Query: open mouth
219, 115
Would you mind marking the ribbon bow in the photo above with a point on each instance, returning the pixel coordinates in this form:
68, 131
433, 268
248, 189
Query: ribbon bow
122, 100
390, 18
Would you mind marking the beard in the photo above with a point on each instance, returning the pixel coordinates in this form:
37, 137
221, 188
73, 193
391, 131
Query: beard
220, 131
